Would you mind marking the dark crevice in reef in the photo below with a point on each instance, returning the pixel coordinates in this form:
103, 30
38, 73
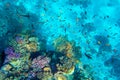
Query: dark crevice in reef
2, 58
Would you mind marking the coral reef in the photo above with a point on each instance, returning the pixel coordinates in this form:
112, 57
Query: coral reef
64, 66
25, 43
46, 75
11, 55
40, 62
2, 76
60, 76
33, 63
26, 55
69, 48
27, 60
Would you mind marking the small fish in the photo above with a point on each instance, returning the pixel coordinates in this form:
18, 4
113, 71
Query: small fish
52, 35
26, 15
88, 56
110, 28
65, 30
98, 42
94, 16
115, 50
115, 34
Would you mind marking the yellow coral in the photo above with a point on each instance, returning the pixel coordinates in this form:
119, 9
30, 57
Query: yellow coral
61, 44
60, 76
32, 47
15, 63
7, 67
27, 44
45, 69
71, 70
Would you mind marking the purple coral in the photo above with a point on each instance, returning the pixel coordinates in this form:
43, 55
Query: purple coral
9, 50
10, 54
40, 62
19, 39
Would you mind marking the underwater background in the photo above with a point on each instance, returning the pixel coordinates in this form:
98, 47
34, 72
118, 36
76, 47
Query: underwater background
59, 40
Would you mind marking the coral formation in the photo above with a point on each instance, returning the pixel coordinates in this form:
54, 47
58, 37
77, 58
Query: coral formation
69, 48
40, 62
60, 76
62, 44
64, 66
25, 43
45, 75
10, 54
2, 76
32, 63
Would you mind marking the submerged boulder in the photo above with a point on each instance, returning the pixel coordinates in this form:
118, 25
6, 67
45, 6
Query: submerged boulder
114, 62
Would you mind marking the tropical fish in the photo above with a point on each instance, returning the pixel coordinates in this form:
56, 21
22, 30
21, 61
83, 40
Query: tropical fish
88, 56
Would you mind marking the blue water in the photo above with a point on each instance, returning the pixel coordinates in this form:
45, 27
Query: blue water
93, 25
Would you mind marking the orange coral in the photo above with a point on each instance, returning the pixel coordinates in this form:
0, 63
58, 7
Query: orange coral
69, 55
68, 46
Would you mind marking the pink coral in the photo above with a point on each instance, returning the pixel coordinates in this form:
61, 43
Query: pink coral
40, 62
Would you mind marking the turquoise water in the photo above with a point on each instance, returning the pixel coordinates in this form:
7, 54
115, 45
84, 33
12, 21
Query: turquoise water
59, 40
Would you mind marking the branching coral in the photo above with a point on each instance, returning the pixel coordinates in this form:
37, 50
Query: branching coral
40, 62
